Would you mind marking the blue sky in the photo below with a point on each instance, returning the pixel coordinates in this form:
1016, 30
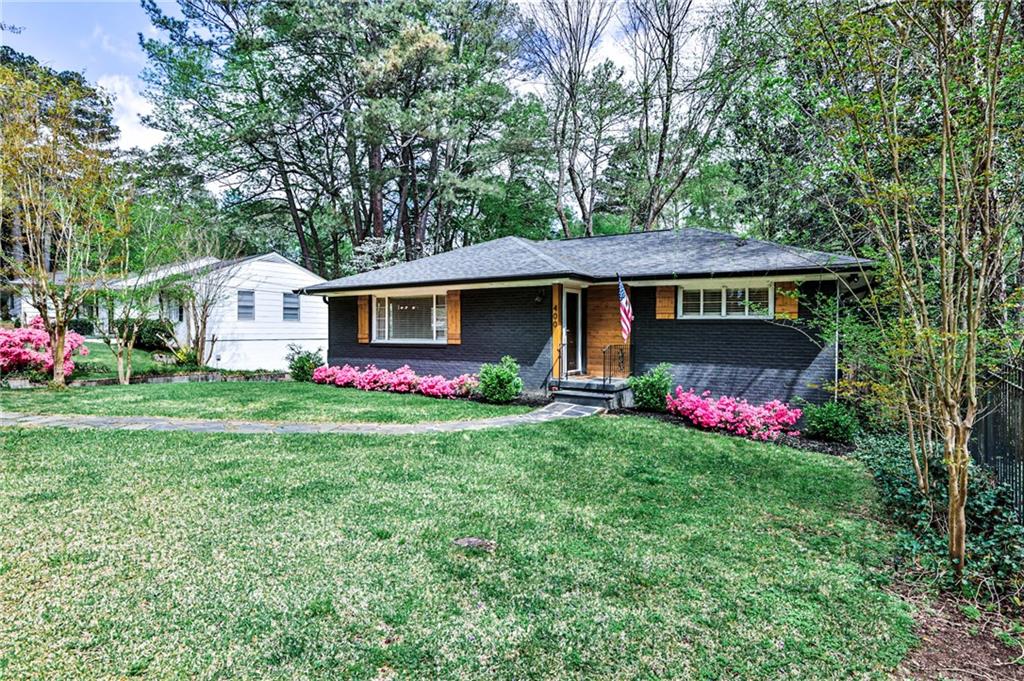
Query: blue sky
99, 39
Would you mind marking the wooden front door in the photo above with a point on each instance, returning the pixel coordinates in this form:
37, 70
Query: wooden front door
604, 331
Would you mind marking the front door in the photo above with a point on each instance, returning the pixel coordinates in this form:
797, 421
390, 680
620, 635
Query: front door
572, 331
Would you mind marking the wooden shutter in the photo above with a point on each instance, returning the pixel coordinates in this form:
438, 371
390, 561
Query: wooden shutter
363, 319
787, 304
453, 306
665, 302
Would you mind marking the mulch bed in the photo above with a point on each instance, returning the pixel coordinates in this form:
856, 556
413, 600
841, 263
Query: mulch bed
954, 646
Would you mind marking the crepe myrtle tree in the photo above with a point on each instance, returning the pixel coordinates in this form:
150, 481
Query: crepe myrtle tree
200, 291
144, 238
54, 190
919, 106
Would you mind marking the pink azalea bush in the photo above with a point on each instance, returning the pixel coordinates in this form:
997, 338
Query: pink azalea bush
28, 349
400, 380
759, 422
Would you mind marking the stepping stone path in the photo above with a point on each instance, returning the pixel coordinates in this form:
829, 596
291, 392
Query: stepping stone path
555, 411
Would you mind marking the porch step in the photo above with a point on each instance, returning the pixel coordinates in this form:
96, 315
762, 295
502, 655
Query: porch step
587, 398
612, 395
593, 384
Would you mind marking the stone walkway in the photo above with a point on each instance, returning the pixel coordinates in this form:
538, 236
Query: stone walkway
554, 411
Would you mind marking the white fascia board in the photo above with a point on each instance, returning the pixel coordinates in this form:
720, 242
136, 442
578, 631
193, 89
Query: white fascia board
738, 281
425, 290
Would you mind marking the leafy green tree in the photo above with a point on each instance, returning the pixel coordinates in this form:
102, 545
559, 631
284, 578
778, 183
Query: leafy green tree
350, 120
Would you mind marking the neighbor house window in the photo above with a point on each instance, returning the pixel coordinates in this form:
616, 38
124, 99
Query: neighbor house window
726, 301
173, 310
410, 318
246, 306
291, 307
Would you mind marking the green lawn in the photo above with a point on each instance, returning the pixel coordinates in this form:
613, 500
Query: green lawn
627, 548
101, 357
250, 401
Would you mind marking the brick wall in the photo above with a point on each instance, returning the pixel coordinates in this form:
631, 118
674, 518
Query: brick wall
495, 322
755, 359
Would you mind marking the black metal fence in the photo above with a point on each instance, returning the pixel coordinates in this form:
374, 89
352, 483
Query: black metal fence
998, 440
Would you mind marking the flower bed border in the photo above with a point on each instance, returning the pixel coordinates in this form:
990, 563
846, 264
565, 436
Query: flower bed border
402, 380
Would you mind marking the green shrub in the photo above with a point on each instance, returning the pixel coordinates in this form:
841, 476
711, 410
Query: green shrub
651, 388
89, 369
995, 540
831, 421
152, 334
187, 357
500, 383
82, 326
302, 363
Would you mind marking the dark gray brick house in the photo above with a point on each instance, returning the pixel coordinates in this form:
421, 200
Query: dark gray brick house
729, 315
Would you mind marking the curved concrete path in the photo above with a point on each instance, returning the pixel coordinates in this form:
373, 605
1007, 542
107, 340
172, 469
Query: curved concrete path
554, 411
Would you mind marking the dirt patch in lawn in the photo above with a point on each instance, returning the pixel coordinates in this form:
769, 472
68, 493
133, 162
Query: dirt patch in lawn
956, 646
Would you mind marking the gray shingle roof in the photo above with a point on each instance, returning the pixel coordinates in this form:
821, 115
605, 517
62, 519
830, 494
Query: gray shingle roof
684, 253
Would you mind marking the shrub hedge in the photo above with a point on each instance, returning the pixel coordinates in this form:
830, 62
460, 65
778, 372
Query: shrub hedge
651, 389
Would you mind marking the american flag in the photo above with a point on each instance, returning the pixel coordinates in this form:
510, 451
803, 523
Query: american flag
625, 312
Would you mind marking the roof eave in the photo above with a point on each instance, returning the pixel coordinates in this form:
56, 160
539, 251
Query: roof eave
322, 289
773, 272
846, 268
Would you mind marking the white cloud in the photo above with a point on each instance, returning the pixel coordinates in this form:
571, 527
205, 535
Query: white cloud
122, 49
129, 106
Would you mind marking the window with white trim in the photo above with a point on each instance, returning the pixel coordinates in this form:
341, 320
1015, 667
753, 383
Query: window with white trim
417, 319
290, 307
725, 301
246, 306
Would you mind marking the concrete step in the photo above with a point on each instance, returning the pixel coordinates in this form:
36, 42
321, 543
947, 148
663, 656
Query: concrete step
595, 384
586, 397
595, 398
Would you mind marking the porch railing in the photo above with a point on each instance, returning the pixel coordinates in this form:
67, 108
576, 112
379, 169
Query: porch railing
617, 362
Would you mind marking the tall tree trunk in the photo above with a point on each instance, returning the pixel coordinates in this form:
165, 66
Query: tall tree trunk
404, 188
57, 336
957, 517
293, 209
356, 184
376, 189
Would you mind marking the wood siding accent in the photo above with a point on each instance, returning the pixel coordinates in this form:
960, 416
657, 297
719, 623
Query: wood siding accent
665, 302
556, 330
363, 319
787, 305
453, 306
603, 326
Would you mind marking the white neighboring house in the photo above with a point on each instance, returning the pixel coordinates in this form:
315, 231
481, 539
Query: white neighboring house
256, 314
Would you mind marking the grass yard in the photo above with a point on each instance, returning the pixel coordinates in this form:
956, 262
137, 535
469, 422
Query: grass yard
105, 364
250, 401
627, 548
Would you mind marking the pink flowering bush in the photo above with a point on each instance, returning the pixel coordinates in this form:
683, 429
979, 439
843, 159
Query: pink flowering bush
346, 376
759, 422
437, 386
325, 374
465, 385
401, 380
28, 349
373, 378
